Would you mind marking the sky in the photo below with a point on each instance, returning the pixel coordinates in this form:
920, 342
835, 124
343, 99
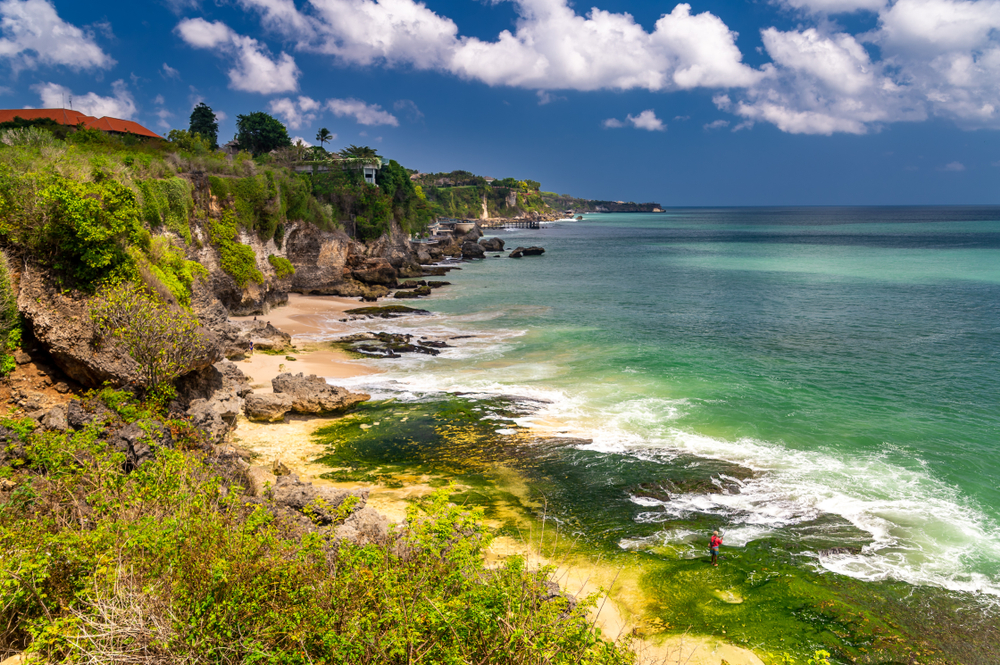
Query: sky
706, 103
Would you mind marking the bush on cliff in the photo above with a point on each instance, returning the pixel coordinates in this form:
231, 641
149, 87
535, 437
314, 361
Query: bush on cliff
164, 342
173, 563
238, 260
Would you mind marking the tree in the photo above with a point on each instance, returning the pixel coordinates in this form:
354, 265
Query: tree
205, 124
323, 136
259, 133
164, 342
359, 152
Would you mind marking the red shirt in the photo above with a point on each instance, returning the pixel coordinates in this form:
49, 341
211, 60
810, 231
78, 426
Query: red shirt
716, 541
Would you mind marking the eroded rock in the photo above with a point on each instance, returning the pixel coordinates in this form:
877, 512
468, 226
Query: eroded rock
268, 407
312, 394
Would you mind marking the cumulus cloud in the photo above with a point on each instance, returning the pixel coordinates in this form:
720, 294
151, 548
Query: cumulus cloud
120, 105
954, 167
254, 70
363, 114
33, 34
299, 140
551, 48
646, 120
296, 113
836, 6
715, 124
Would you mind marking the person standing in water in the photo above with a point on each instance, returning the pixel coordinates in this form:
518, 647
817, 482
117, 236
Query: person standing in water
714, 547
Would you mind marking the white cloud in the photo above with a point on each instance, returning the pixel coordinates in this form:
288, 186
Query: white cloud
159, 100
163, 114
255, 70
715, 124
551, 48
546, 97
954, 167
836, 6
838, 61
33, 34
119, 105
939, 25
646, 120
363, 114
169, 72
295, 112
298, 139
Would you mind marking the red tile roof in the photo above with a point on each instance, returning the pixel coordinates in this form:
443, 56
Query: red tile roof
74, 118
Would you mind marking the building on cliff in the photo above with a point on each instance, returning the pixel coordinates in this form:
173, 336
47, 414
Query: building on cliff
72, 118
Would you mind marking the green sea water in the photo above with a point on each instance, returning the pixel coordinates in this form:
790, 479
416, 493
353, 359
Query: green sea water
820, 380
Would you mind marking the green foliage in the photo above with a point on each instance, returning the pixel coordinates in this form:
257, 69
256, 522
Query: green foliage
164, 342
238, 260
168, 265
189, 141
323, 135
10, 320
359, 152
88, 226
171, 563
167, 202
32, 137
259, 133
47, 124
282, 266
205, 125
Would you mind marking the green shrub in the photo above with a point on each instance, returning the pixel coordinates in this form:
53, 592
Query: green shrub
167, 202
171, 563
238, 260
31, 137
10, 320
282, 266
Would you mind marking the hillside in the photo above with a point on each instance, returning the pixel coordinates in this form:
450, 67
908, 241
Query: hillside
461, 194
567, 203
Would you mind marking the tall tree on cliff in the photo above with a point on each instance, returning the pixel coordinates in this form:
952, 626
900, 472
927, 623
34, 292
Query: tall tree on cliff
356, 152
323, 136
258, 133
205, 124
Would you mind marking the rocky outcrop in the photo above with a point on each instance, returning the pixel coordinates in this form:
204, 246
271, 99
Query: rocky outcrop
268, 407
492, 244
297, 393
312, 394
213, 398
376, 270
527, 251
318, 256
472, 250
140, 441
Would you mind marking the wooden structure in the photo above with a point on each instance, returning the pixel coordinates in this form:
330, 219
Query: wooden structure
510, 224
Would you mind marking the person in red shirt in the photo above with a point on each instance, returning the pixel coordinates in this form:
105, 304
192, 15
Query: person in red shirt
714, 547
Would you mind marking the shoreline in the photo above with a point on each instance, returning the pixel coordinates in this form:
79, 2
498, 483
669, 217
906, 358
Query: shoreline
619, 611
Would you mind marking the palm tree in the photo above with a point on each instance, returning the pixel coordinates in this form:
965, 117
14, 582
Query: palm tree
323, 136
359, 152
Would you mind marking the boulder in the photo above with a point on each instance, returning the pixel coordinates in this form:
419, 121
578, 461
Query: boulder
216, 416
373, 293
375, 271
223, 376
269, 407
364, 526
319, 504
312, 394
472, 250
491, 245
527, 251
55, 419
140, 440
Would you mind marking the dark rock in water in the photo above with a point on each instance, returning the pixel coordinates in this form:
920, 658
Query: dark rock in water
839, 550
472, 250
436, 345
437, 285
385, 312
415, 293
695, 476
526, 251
411, 284
492, 245
389, 345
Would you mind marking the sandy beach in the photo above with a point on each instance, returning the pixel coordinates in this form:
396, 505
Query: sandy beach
291, 443
305, 318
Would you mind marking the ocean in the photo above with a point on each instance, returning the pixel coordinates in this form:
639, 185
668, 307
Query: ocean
818, 384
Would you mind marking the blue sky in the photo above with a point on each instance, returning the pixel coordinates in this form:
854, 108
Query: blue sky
763, 102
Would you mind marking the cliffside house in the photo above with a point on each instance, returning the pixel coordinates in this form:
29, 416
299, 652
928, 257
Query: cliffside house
72, 118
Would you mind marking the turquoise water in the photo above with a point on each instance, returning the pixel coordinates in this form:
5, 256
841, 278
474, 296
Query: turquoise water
848, 357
